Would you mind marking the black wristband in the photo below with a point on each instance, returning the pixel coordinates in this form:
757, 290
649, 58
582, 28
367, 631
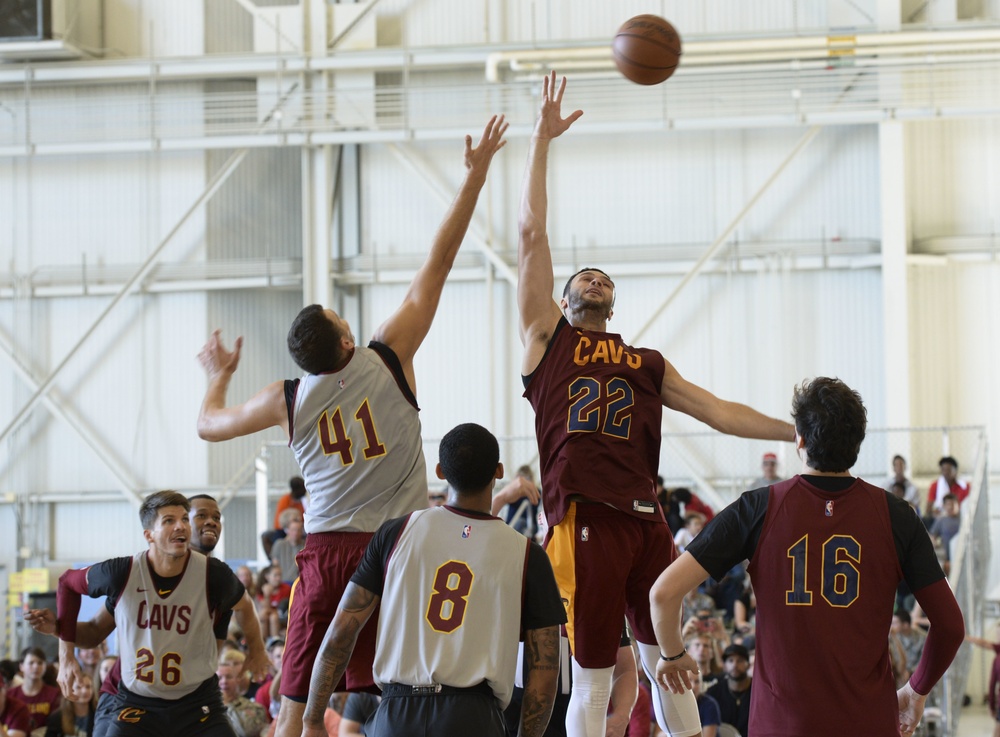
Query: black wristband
676, 657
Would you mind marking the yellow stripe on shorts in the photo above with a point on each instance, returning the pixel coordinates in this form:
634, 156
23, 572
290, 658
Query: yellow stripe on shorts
562, 554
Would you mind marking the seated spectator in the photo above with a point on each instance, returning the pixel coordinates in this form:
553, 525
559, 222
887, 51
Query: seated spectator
75, 717
708, 709
40, 698
898, 489
285, 549
15, 718
898, 476
522, 514
733, 691
769, 474
105, 667
701, 647
294, 499
437, 497
949, 483
693, 524
247, 717
246, 577
945, 528
275, 649
272, 601
911, 638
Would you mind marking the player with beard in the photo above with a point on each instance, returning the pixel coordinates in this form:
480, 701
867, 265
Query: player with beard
733, 691
206, 530
598, 408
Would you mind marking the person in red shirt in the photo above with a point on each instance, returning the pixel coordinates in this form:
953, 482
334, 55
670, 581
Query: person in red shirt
14, 716
272, 601
947, 484
40, 699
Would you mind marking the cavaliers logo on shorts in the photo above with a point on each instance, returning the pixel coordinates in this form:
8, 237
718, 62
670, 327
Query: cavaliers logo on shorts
130, 715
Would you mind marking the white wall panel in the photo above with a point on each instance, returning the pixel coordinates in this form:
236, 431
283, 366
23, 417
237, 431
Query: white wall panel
954, 171
83, 532
955, 339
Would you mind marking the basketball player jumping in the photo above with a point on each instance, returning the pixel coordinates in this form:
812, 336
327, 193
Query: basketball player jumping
598, 405
352, 423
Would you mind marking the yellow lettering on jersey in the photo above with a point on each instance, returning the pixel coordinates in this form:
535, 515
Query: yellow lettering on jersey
605, 350
578, 358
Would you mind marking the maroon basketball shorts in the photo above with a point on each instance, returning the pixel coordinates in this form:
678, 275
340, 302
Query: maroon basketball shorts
326, 565
605, 562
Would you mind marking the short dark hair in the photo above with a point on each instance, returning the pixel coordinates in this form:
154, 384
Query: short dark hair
469, 455
314, 341
949, 498
201, 496
898, 457
948, 459
904, 616
585, 268
154, 502
297, 485
681, 494
36, 651
831, 418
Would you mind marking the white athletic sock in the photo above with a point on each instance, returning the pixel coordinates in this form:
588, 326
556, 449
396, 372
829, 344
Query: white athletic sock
677, 714
587, 712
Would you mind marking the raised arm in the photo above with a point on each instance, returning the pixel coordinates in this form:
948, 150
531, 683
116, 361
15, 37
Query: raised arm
731, 418
665, 599
407, 327
539, 312
541, 679
216, 421
356, 607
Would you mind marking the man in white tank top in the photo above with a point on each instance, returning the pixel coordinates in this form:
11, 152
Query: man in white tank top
172, 607
459, 586
353, 425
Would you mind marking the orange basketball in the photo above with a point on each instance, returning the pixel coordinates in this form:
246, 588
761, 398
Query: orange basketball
647, 49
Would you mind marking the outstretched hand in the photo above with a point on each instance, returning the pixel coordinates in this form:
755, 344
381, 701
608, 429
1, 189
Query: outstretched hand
550, 123
492, 140
41, 620
216, 360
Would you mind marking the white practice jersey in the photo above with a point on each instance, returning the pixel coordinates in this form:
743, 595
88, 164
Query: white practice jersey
451, 606
356, 436
167, 643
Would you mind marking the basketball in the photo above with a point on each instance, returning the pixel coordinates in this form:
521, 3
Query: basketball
647, 49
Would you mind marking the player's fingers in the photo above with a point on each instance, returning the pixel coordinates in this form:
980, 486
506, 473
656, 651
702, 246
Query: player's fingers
573, 117
562, 88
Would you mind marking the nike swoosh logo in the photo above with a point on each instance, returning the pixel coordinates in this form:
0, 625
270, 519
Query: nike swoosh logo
141, 591
161, 592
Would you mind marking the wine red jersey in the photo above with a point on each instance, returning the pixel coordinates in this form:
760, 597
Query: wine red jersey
597, 420
825, 573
